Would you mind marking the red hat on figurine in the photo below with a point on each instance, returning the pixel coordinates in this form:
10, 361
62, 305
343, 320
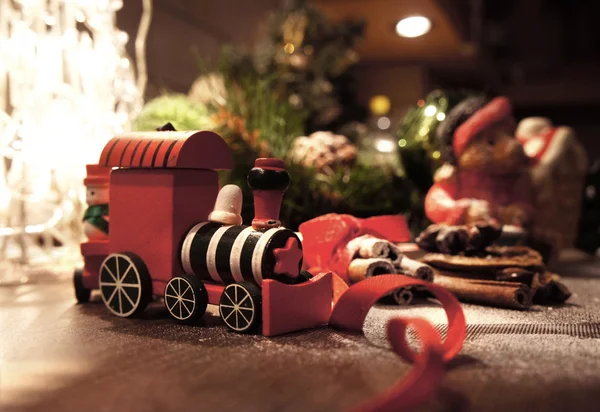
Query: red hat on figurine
96, 175
467, 120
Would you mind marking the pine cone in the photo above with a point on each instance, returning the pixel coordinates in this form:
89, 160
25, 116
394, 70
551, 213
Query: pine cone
323, 151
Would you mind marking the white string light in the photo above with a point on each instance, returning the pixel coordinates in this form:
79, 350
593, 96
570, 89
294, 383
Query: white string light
66, 87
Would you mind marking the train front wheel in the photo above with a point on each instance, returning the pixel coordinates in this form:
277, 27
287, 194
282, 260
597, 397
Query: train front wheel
186, 298
241, 307
125, 284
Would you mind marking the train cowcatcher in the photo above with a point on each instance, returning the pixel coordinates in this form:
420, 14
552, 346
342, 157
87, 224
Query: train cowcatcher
174, 235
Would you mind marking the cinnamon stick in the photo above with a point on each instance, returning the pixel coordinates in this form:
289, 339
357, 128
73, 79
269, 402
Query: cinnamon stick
457, 239
516, 274
395, 254
359, 269
367, 246
403, 296
371, 247
452, 239
415, 269
426, 240
551, 290
512, 295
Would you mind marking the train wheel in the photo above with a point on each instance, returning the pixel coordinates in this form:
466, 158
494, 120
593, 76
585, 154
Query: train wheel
241, 307
186, 298
82, 294
125, 284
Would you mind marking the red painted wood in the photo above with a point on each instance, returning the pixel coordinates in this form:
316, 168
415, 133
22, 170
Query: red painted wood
193, 150
131, 151
214, 292
93, 254
288, 308
152, 150
106, 151
118, 149
136, 160
97, 248
204, 150
151, 210
162, 151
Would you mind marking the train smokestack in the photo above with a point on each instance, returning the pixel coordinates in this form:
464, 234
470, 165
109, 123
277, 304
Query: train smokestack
268, 181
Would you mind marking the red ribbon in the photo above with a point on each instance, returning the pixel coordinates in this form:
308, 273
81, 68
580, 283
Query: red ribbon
428, 365
324, 244
325, 238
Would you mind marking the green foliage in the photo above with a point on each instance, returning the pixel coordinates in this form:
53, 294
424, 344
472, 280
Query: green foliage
174, 108
254, 100
312, 56
299, 79
419, 149
362, 191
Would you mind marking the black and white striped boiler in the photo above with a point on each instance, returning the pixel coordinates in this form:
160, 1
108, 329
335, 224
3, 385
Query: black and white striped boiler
227, 254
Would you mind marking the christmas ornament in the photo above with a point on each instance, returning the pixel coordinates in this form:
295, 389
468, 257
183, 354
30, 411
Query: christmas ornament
488, 175
323, 151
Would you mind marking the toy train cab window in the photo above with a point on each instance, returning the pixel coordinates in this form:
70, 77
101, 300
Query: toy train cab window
173, 235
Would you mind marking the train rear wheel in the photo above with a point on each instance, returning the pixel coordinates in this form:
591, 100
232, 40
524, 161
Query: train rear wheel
241, 307
125, 284
186, 298
82, 294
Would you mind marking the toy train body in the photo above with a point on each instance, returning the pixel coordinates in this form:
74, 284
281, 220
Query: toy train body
165, 239
226, 254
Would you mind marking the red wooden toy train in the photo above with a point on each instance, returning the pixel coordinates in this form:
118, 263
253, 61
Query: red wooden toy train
165, 239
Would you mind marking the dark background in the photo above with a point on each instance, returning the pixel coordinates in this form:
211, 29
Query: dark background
543, 54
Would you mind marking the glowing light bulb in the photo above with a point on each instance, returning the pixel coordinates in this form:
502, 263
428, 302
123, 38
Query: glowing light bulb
380, 105
440, 116
289, 48
430, 110
384, 145
413, 26
384, 123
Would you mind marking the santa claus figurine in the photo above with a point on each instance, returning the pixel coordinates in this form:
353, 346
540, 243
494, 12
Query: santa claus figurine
486, 174
95, 219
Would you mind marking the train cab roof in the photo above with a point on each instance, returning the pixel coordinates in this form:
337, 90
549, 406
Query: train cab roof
168, 150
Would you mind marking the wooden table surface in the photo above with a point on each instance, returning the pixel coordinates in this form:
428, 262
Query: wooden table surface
56, 355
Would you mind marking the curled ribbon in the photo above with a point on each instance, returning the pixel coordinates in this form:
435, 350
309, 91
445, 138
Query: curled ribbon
425, 377
325, 238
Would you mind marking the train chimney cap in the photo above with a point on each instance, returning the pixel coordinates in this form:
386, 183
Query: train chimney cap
269, 162
228, 206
